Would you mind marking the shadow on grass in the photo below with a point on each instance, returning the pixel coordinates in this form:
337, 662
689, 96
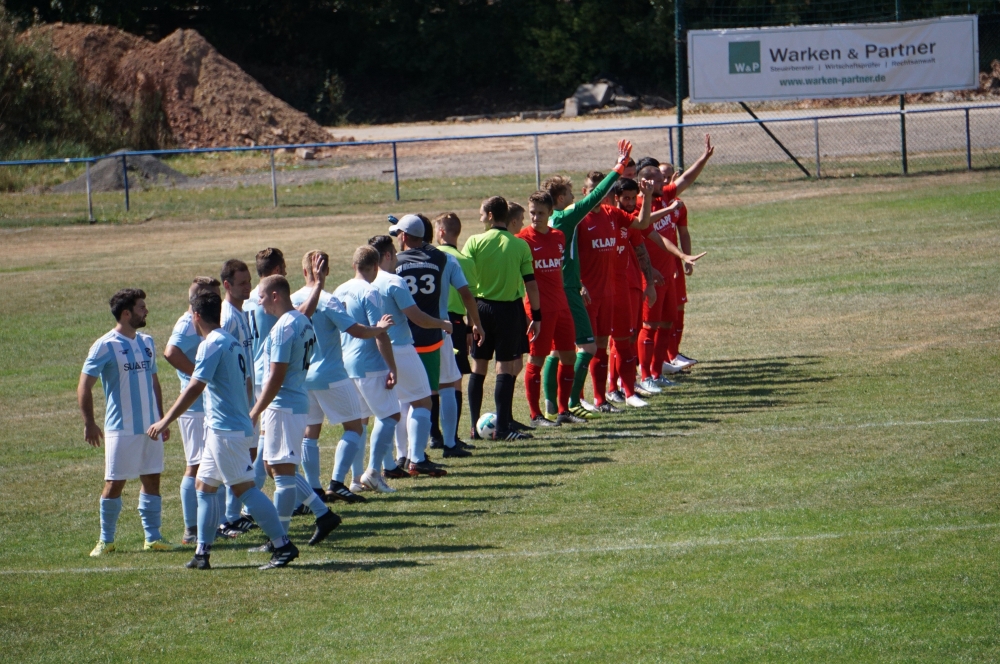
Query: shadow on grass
544, 452
425, 549
480, 487
377, 514
517, 473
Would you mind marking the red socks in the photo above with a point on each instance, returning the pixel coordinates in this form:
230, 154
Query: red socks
675, 338
533, 388
599, 375
626, 366
613, 365
645, 350
566, 375
660, 345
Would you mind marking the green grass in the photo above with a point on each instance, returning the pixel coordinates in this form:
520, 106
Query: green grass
821, 488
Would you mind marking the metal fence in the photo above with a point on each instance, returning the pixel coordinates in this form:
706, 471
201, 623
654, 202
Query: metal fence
785, 146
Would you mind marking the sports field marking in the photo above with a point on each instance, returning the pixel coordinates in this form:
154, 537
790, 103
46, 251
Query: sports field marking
624, 548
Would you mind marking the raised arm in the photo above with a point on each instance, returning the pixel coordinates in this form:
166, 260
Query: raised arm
688, 177
308, 308
573, 214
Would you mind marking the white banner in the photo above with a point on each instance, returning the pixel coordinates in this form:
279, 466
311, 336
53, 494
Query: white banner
814, 61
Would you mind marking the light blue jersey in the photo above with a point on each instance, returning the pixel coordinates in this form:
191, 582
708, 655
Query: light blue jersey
186, 338
329, 321
364, 305
453, 277
395, 297
126, 368
221, 365
236, 323
291, 342
260, 323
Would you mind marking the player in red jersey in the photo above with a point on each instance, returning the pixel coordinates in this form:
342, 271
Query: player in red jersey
557, 332
600, 259
659, 319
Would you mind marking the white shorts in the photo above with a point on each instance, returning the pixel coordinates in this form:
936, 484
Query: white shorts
129, 455
226, 459
450, 372
283, 431
411, 377
192, 426
339, 403
377, 400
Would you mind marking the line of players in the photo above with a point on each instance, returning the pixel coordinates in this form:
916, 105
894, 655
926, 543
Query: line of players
384, 344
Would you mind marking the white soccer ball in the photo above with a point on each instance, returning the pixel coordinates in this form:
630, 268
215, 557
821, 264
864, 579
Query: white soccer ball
486, 425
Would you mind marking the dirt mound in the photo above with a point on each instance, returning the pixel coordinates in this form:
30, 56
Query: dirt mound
208, 100
106, 175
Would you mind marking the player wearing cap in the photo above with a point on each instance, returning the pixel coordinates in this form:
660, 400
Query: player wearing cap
566, 217
332, 393
221, 369
448, 228
506, 273
125, 361
283, 405
372, 365
180, 353
414, 381
600, 259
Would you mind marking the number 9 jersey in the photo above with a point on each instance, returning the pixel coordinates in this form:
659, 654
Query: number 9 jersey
221, 365
291, 341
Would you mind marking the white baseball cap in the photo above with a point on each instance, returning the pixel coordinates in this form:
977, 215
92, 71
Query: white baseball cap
410, 224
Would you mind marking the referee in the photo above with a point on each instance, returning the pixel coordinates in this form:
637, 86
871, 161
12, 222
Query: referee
506, 272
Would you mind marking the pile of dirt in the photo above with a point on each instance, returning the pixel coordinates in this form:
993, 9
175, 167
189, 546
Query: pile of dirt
106, 175
208, 100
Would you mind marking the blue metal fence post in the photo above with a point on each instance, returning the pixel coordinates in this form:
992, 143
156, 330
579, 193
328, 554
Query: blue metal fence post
670, 133
538, 166
968, 142
274, 183
125, 177
395, 169
90, 198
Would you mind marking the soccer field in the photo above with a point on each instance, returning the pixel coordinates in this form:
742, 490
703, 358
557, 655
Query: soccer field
822, 487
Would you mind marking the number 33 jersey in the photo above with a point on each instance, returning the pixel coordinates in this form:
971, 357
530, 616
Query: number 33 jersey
423, 270
221, 365
291, 342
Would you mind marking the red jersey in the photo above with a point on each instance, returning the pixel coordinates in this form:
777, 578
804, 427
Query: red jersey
633, 273
597, 242
661, 260
547, 254
682, 219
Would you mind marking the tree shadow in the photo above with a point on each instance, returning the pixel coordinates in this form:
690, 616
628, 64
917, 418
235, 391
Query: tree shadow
424, 549
481, 487
519, 473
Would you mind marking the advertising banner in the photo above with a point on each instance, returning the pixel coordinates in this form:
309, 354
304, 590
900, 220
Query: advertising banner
815, 61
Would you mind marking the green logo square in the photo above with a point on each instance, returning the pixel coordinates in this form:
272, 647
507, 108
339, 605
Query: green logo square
744, 57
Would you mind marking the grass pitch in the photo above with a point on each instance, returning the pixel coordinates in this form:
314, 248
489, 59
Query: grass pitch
822, 487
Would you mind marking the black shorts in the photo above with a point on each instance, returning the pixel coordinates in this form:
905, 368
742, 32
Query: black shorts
504, 326
459, 339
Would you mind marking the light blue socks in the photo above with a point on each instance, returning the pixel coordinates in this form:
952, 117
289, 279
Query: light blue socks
347, 450
448, 415
308, 496
110, 509
310, 461
149, 511
285, 499
232, 506
259, 472
358, 465
418, 430
189, 502
265, 514
382, 433
208, 520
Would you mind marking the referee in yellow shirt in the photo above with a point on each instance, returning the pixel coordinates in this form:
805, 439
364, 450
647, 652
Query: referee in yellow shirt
506, 272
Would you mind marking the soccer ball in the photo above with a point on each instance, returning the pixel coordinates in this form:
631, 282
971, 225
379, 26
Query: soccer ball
486, 425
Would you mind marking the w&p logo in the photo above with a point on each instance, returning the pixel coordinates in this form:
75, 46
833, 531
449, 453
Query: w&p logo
744, 57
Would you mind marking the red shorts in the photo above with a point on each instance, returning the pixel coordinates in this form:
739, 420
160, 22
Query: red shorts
680, 287
636, 298
557, 333
624, 315
665, 308
601, 312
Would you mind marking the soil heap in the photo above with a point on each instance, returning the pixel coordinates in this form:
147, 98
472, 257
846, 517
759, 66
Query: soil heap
208, 100
106, 175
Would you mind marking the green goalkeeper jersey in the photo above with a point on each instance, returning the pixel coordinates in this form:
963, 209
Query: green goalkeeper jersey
567, 221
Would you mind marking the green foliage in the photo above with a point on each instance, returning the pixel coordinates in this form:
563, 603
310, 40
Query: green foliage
48, 110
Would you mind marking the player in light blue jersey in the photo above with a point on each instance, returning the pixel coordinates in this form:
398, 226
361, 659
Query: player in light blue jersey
125, 361
221, 367
180, 353
371, 364
332, 393
414, 383
283, 406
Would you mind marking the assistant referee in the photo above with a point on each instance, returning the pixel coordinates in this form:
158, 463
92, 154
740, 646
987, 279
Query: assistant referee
506, 272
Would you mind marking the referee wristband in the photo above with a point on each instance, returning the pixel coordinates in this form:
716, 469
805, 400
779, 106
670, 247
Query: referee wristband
536, 315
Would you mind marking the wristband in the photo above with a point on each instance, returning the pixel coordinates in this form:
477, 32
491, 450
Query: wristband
536, 315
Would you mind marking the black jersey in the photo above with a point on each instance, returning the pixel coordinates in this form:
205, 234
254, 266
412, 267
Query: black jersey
423, 269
